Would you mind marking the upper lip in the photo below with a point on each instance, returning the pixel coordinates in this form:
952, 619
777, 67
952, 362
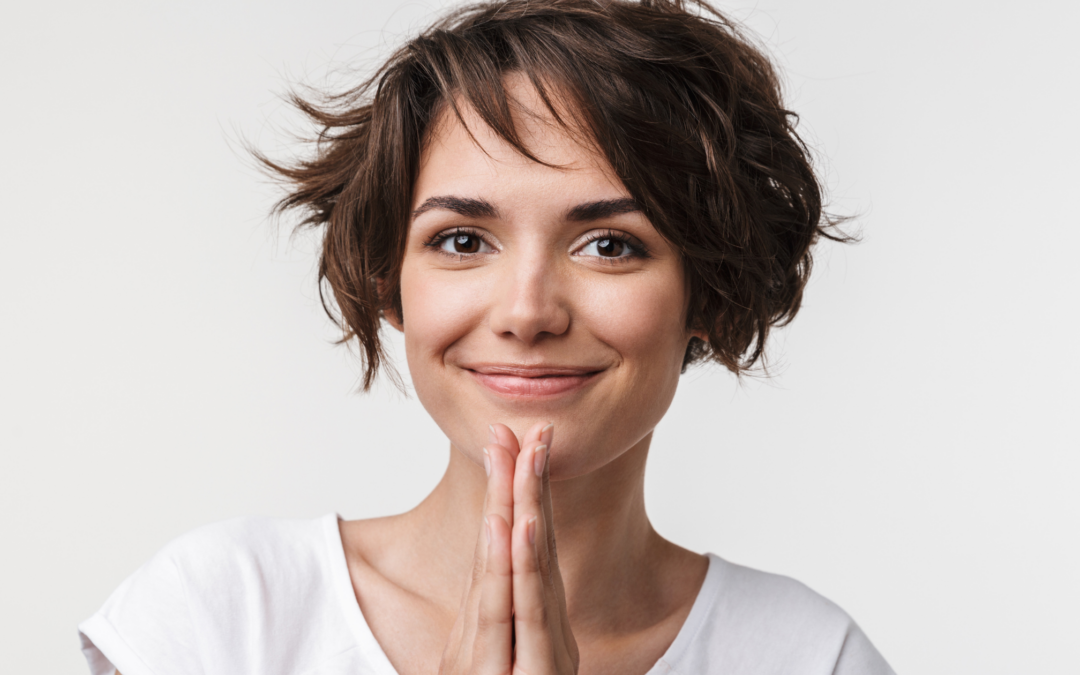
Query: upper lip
531, 371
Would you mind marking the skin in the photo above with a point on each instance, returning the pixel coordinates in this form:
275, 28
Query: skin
506, 274
469, 582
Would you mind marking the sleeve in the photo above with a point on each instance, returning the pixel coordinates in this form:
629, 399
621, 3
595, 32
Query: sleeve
858, 656
145, 626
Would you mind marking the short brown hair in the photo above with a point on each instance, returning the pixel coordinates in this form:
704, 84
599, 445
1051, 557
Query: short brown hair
685, 108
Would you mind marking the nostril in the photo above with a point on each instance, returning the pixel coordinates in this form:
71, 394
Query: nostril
529, 314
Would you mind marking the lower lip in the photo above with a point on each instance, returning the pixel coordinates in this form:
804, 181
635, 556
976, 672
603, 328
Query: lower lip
533, 387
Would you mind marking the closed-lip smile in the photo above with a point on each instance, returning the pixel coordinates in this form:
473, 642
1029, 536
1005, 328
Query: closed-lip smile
532, 381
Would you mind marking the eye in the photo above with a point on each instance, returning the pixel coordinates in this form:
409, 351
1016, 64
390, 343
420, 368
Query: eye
462, 243
611, 246
459, 243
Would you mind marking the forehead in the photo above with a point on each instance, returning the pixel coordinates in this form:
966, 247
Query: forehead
463, 154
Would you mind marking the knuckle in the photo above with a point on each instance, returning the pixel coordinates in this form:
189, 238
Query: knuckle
536, 614
493, 574
487, 622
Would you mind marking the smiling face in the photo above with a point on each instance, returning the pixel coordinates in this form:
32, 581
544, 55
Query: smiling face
533, 293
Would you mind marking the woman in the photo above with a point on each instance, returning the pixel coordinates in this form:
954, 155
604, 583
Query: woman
561, 204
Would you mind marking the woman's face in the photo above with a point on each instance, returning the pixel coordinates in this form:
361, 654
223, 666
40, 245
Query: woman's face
531, 293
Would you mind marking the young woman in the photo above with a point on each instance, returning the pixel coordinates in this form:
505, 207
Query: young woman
561, 204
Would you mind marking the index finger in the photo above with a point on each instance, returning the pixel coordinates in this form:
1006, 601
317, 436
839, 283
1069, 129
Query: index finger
504, 436
498, 506
553, 557
499, 497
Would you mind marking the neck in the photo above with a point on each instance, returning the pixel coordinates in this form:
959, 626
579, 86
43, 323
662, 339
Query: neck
606, 543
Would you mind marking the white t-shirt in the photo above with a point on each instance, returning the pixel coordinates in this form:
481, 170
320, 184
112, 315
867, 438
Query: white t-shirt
263, 596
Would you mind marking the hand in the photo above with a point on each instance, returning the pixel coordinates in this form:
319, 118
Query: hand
513, 617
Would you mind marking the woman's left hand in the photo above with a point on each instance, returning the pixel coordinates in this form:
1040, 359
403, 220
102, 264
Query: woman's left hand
544, 643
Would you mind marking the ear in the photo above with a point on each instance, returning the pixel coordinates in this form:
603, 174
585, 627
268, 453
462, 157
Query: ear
699, 333
390, 314
393, 319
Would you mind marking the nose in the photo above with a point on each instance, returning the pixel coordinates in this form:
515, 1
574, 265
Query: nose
528, 302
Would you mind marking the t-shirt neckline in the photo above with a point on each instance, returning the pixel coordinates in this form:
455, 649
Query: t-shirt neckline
376, 657
343, 588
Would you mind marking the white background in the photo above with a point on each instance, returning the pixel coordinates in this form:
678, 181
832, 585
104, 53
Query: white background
164, 362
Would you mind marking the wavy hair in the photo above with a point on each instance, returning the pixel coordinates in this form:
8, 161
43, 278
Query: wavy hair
685, 108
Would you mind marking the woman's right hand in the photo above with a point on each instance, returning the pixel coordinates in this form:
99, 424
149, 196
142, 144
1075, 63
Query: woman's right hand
481, 641
493, 634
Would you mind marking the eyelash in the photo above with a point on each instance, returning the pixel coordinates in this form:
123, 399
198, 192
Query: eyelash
638, 249
436, 241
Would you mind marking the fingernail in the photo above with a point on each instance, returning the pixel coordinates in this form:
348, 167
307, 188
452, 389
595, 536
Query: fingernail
487, 462
492, 436
531, 530
487, 530
539, 459
546, 433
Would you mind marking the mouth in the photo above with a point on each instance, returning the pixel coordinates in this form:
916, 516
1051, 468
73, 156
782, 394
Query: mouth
532, 381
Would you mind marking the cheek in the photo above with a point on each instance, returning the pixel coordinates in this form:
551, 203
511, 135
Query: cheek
441, 309
438, 309
641, 317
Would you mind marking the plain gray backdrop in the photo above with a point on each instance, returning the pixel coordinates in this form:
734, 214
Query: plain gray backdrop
164, 362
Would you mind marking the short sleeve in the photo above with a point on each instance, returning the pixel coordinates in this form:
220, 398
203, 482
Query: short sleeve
145, 626
859, 657
754, 623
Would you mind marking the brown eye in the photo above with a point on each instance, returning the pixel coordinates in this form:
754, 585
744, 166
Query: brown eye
466, 243
610, 248
462, 243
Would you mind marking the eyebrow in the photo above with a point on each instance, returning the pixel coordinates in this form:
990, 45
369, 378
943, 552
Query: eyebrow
480, 208
605, 208
465, 206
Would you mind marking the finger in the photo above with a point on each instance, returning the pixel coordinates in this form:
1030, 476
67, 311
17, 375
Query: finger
498, 499
498, 508
504, 436
547, 550
528, 501
534, 652
494, 620
556, 581
528, 473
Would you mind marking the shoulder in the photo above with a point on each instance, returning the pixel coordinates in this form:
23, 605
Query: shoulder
229, 590
756, 622
239, 562
230, 551
773, 602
